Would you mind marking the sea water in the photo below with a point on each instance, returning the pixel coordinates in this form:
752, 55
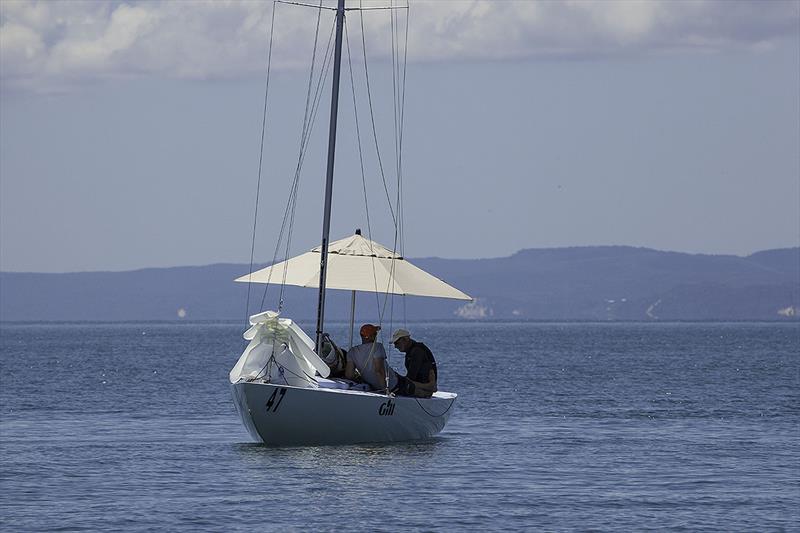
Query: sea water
684, 426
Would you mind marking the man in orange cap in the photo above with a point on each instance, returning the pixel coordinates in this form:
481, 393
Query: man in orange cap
369, 331
369, 358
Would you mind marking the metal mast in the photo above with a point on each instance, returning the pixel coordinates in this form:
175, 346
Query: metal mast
326, 220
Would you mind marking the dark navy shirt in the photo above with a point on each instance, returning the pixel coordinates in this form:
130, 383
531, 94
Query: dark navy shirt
419, 363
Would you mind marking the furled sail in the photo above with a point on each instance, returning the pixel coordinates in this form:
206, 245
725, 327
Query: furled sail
279, 352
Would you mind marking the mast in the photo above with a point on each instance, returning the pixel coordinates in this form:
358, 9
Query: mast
326, 219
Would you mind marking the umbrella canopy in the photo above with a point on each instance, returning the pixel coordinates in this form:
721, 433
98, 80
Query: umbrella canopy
357, 264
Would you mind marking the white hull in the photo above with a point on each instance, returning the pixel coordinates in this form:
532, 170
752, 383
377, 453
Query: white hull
285, 415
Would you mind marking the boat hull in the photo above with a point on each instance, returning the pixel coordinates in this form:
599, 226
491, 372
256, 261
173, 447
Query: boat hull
285, 415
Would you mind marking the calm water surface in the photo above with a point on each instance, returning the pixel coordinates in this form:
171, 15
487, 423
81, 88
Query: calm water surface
557, 427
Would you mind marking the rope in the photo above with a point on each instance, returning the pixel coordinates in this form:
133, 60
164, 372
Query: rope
292, 189
282, 369
361, 162
386, 365
398, 91
436, 416
400, 154
398, 101
308, 122
327, 61
400, 143
303, 141
263, 368
260, 161
372, 116
381, 311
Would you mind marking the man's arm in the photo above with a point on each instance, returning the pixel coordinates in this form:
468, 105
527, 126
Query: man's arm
426, 390
431, 384
378, 364
350, 369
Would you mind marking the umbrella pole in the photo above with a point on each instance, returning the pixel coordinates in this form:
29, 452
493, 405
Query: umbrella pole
352, 315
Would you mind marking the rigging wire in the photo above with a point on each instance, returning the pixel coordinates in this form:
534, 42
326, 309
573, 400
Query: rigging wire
334, 8
361, 162
327, 61
292, 189
310, 112
400, 204
260, 162
309, 119
394, 116
400, 130
398, 101
267, 377
292, 202
381, 311
372, 117
312, 104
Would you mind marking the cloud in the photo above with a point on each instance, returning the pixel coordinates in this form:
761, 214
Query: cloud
587, 29
45, 45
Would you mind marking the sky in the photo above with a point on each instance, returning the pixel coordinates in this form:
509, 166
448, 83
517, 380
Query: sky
130, 132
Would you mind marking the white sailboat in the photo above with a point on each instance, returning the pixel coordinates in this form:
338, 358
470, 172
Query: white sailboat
280, 384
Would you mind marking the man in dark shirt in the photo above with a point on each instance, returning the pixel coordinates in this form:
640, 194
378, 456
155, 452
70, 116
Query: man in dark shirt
420, 364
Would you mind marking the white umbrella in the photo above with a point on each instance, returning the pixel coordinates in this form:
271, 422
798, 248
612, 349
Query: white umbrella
357, 264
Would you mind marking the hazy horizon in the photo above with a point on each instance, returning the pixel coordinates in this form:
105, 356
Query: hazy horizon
409, 258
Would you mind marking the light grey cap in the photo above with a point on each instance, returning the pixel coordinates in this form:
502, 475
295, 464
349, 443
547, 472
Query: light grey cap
399, 334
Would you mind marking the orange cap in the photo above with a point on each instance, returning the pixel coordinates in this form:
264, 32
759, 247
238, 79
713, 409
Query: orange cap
369, 330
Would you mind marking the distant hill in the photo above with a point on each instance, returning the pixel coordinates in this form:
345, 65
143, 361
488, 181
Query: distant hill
581, 283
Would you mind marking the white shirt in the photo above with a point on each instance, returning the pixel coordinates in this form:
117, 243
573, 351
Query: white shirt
363, 357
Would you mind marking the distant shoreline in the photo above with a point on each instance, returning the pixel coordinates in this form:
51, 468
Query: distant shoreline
576, 284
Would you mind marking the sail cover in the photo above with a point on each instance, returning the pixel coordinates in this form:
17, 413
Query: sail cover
357, 264
279, 352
